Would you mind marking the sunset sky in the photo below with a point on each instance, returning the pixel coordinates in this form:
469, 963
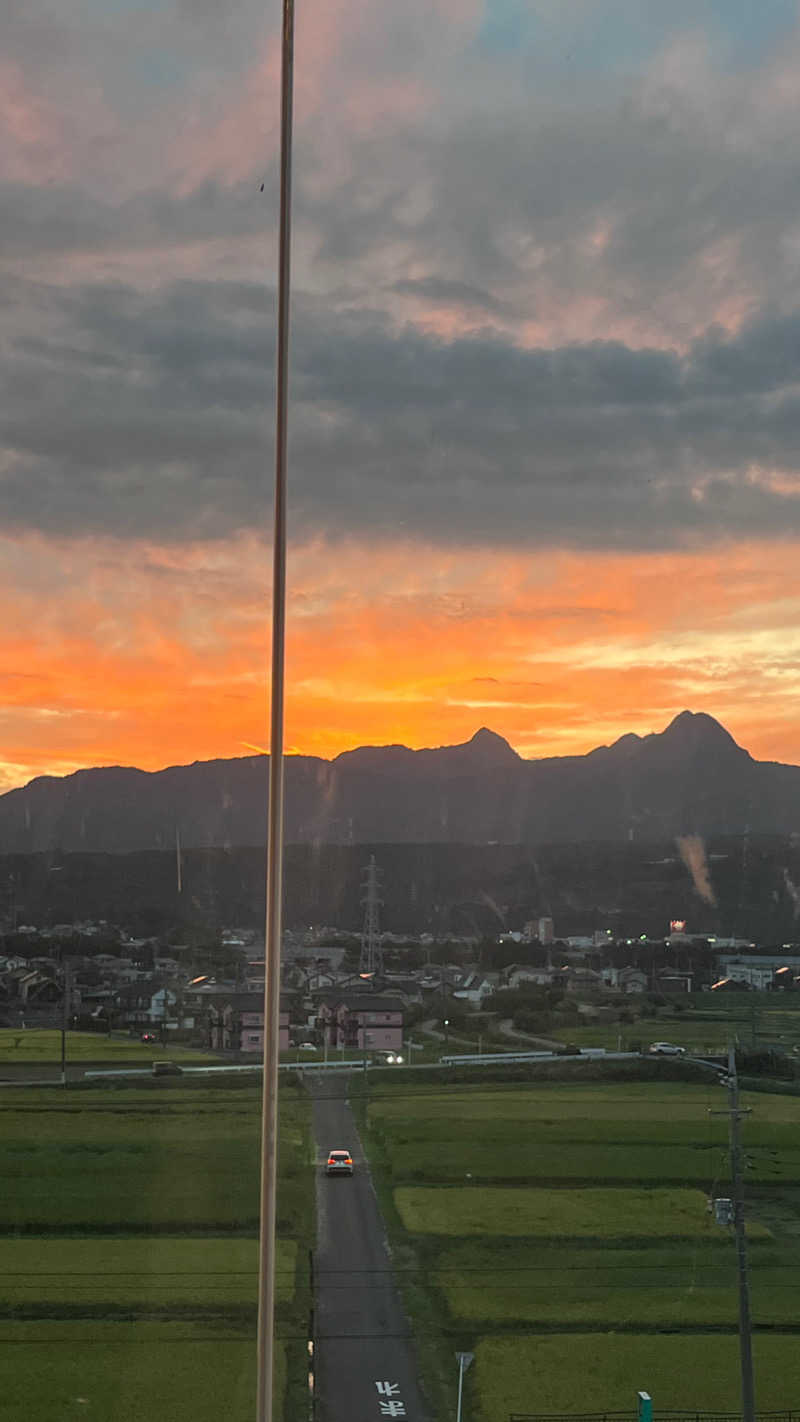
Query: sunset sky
545, 421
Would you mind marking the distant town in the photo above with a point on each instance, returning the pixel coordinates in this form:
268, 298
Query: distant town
339, 989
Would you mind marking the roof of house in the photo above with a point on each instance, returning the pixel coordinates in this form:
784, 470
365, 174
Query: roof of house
147, 988
245, 1001
363, 1002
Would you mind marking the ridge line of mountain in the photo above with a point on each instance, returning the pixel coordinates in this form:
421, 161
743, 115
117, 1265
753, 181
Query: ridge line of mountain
690, 778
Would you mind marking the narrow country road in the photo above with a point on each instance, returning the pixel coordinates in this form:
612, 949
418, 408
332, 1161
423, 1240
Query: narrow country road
364, 1360
506, 1029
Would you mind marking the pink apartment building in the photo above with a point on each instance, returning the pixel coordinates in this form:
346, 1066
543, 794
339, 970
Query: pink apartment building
363, 1020
236, 1023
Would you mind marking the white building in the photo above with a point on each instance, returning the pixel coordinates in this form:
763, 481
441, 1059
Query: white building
755, 969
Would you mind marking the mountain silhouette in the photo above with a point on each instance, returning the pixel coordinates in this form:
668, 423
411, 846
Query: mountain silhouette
691, 777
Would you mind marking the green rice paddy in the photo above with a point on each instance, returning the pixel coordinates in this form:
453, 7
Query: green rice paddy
561, 1231
128, 1252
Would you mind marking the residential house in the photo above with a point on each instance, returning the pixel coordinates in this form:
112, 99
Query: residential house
29, 986
170, 966
321, 980
628, 980
445, 978
475, 988
144, 1004
365, 1020
403, 986
520, 975
673, 980
576, 980
235, 1022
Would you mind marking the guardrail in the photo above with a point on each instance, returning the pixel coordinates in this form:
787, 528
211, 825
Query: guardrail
493, 1058
358, 1065
786, 1416
481, 1059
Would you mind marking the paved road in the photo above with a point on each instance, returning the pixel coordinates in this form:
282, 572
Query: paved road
364, 1358
506, 1027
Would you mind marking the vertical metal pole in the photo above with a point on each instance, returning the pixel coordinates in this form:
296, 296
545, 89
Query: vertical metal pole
464, 1360
745, 1333
65, 1006
269, 1108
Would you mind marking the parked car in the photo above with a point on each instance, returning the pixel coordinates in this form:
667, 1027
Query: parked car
340, 1162
666, 1049
307, 1047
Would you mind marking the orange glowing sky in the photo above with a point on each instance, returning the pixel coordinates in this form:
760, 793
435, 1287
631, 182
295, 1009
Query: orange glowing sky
544, 463
556, 653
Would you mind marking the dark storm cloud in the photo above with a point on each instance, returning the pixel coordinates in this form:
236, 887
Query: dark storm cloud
438, 291
62, 221
148, 415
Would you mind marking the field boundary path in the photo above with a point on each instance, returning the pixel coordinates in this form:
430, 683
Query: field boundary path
506, 1028
364, 1358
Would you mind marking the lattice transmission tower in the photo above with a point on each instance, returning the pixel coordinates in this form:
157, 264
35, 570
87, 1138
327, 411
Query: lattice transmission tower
371, 949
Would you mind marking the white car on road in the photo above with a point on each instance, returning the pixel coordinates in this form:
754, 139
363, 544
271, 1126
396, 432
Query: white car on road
666, 1049
340, 1162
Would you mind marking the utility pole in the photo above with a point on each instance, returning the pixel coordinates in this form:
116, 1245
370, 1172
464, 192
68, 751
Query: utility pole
265, 1349
734, 1114
66, 1004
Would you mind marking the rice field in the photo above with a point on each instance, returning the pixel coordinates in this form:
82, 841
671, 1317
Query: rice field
561, 1231
128, 1252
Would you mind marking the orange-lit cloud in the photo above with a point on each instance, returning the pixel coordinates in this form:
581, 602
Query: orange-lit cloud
159, 655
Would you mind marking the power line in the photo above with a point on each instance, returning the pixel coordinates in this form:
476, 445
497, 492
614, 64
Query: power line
323, 1276
568, 1325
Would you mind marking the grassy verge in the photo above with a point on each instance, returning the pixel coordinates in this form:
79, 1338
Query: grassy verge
40, 1045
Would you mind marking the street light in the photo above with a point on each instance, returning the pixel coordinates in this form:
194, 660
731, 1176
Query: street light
464, 1360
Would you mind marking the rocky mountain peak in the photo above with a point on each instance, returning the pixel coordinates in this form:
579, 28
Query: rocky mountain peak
696, 731
491, 748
